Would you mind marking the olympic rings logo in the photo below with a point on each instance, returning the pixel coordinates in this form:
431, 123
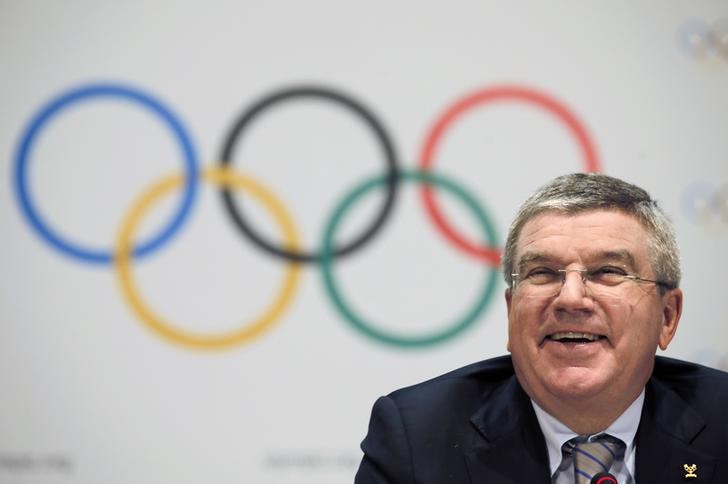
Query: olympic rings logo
127, 249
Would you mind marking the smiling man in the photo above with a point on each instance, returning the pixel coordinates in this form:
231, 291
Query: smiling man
593, 275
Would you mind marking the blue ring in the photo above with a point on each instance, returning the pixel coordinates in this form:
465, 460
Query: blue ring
82, 93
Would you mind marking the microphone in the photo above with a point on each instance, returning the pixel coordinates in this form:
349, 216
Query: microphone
603, 478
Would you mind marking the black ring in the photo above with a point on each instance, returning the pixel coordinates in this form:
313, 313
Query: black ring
328, 95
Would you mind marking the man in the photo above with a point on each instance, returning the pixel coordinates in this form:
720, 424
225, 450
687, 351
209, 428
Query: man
593, 274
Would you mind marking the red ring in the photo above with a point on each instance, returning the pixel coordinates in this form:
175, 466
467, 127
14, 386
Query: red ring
492, 255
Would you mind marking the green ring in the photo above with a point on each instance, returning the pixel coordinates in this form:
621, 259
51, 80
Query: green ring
390, 338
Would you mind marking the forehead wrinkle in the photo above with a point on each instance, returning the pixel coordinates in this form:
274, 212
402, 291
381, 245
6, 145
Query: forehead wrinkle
622, 256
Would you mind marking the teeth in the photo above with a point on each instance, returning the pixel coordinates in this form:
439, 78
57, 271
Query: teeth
573, 335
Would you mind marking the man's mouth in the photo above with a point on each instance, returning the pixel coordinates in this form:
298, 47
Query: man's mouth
574, 337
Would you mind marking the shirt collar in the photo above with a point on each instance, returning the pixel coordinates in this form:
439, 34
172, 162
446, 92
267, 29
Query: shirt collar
556, 433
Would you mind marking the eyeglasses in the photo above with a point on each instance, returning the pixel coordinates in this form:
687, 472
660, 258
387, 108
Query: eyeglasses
602, 281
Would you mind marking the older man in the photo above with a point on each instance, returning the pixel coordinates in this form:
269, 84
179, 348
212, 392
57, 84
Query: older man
593, 277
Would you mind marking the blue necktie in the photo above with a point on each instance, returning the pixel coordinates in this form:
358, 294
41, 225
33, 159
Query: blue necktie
594, 456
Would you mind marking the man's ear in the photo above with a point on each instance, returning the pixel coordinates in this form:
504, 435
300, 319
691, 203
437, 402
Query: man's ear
671, 312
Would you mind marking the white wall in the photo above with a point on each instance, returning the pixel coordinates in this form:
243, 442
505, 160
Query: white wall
89, 393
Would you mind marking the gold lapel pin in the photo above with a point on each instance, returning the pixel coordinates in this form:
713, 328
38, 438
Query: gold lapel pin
690, 470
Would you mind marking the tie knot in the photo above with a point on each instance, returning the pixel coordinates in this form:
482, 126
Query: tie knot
593, 455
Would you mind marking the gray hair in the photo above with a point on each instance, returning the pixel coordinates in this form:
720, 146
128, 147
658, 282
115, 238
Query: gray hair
582, 192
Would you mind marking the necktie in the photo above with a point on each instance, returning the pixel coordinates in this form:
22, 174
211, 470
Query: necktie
594, 456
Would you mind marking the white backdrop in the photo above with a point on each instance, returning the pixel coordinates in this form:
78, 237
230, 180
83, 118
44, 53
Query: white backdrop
91, 394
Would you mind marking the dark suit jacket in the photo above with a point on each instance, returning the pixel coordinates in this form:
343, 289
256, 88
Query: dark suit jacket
476, 425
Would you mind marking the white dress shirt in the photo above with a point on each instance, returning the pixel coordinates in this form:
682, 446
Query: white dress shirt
556, 434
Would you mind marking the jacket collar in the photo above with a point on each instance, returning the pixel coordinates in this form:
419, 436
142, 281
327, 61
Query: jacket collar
667, 428
509, 446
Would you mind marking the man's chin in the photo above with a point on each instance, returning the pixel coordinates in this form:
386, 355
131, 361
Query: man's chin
576, 383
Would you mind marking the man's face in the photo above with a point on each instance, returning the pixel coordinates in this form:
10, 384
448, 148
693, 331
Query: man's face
549, 337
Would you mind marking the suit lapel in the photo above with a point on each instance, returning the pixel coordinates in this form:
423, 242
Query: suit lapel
667, 427
509, 446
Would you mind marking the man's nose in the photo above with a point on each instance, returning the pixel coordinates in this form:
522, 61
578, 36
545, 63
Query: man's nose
574, 294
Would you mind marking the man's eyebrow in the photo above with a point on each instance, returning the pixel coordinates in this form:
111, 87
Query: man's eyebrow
532, 258
623, 256
619, 256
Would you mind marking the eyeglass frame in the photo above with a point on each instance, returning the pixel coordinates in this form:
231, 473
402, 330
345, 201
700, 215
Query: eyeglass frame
585, 277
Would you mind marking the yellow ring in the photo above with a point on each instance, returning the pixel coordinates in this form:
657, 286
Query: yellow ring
228, 178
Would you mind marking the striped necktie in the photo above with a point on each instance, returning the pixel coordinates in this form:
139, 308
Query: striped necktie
594, 456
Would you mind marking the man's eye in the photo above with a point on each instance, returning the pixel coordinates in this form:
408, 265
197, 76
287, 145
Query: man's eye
609, 270
541, 273
608, 275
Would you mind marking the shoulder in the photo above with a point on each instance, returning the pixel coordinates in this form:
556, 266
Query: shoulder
694, 383
417, 433
683, 375
465, 388
440, 409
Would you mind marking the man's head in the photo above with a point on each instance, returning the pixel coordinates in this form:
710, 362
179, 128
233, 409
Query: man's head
593, 274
